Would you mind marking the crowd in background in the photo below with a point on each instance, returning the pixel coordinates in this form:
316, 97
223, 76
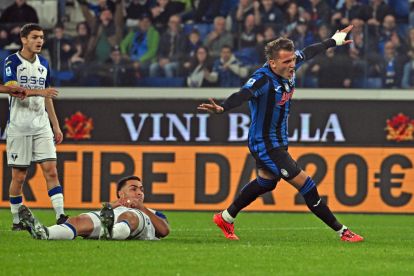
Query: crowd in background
218, 43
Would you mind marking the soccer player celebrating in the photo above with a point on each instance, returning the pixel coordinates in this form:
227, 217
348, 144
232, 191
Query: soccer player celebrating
126, 218
29, 135
269, 92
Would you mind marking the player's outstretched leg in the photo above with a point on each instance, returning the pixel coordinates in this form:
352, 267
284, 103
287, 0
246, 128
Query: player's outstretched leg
107, 218
36, 229
322, 211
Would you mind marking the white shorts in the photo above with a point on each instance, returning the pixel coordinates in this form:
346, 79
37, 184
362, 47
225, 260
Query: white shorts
144, 231
22, 150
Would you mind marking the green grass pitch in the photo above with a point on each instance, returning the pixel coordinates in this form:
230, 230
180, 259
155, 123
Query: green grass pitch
270, 244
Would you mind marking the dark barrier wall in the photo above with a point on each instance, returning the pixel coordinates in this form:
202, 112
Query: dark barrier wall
360, 153
172, 122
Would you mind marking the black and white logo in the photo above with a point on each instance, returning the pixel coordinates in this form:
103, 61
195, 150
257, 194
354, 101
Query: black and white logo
14, 156
41, 69
284, 172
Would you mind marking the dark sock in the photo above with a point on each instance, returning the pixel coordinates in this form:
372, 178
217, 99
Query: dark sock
317, 205
249, 193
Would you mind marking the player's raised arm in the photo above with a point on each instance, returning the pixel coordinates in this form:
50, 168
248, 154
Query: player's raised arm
338, 39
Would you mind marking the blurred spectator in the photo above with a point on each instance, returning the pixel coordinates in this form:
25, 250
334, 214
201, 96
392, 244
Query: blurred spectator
116, 71
162, 12
200, 69
390, 67
247, 37
191, 43
282, 5
60, 48
238, 14
169, 50
401, 10
100, 6
204, 11
19, 13
81, 43
4, 38
291, 18
77, 61
408, 71
218, 37
227, 70
320, 14
301, 36
388, 32
323, 66
106, 31
15, 16
268, 35
375, 12
267, 13
135, 9
324, 32
350, 9
141, 45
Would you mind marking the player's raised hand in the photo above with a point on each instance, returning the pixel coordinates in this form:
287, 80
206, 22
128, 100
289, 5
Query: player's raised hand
211, 107
340, 36
50, 92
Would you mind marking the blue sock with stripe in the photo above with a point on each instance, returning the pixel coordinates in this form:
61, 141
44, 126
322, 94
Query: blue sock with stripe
56, 197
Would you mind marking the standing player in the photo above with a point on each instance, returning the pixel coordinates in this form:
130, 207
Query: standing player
29, 135
269, 92
126, 218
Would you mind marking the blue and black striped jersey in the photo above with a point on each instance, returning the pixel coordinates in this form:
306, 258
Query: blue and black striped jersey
269, 105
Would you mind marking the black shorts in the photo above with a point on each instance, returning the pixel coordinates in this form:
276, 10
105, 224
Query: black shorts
277, 161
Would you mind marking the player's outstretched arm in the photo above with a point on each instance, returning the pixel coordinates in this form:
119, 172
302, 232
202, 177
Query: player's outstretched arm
233, 101
47, 93
338, 39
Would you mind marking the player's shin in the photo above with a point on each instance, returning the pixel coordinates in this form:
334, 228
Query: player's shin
249, 193
317, 205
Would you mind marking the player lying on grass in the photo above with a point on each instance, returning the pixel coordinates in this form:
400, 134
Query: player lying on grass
126, 218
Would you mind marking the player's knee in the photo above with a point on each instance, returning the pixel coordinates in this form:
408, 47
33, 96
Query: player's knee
131, 218
50, 172
268, 184
18, 176
82, 223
